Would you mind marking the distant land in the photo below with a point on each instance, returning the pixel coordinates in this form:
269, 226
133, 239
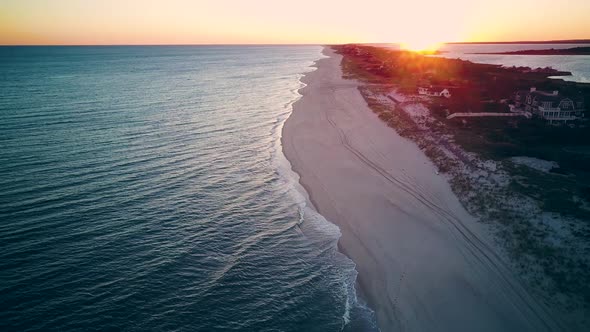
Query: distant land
551, 51
567, 41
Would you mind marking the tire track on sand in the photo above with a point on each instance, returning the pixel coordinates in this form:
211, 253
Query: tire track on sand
478, 249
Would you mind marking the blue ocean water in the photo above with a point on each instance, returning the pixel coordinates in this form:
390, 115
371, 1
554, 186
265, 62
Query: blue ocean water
144, 188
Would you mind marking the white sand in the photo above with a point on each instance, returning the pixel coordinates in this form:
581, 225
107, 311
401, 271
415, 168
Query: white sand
423, 262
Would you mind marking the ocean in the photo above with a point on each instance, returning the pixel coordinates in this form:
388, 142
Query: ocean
576, 64
144, 188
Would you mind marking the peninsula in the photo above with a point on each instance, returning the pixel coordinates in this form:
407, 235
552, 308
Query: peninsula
424, 261
553, 51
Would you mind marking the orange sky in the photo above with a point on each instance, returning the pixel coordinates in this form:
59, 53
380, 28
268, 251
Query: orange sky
304, 21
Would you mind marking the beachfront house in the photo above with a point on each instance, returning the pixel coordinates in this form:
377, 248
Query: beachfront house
550, 105
433, 92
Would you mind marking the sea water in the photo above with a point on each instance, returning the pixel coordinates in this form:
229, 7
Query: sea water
578, 65
144, 188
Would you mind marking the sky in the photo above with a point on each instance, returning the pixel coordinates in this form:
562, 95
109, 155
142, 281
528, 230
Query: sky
413, 22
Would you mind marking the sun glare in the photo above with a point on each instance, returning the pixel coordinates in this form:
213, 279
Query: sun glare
421, 45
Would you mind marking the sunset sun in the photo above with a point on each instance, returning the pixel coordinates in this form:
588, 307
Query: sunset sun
421, 45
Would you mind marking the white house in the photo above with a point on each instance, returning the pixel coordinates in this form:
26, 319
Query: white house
434, 92
550, 105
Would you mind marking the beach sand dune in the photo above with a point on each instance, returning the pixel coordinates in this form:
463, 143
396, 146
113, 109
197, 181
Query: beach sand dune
424, 263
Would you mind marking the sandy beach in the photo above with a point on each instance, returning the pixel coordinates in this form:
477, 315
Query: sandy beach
424, 263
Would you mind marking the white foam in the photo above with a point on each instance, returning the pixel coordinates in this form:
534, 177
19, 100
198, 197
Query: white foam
311, 223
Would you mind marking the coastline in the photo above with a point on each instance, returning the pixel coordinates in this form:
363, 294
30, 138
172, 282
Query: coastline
423, 261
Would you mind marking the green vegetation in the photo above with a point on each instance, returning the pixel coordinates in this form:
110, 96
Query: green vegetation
471, 83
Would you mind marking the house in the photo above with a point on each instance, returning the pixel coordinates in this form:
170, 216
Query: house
434, 92
551, 106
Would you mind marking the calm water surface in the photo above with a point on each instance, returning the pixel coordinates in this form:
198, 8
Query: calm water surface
578, 65
143, 188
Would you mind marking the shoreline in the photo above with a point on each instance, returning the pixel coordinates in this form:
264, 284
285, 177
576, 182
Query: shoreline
423, 261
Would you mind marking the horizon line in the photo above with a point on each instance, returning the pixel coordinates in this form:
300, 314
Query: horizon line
556, 41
